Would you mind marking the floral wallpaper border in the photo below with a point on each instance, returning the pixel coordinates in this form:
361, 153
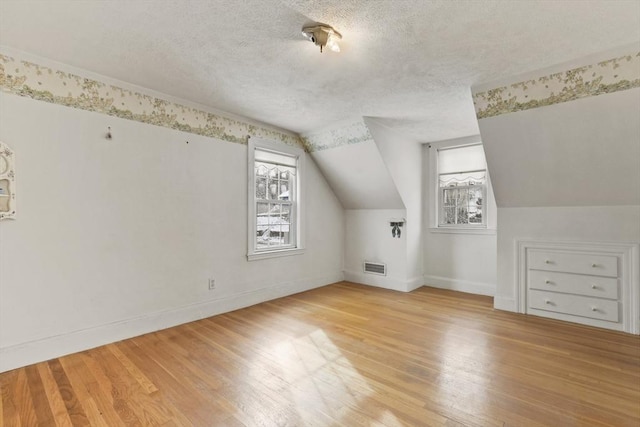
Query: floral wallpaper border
42, 83
613, 75
353, 133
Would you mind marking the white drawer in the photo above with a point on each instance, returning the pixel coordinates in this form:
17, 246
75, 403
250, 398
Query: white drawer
600, 265
576, 305
594, 286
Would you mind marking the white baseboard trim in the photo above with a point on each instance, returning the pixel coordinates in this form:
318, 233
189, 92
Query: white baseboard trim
505, 304
415, 283
30, 352
386, 282
467, 286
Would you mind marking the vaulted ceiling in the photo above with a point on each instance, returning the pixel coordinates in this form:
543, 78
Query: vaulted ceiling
408, 63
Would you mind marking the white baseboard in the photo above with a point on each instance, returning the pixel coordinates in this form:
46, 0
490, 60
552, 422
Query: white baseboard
415, 283
30, 352
467, 286
386, 282
505, 304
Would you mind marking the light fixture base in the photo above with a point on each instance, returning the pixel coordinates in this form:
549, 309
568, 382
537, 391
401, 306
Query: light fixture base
322, 35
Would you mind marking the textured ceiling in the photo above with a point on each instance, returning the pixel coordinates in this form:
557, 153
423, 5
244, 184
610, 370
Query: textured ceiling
409, 63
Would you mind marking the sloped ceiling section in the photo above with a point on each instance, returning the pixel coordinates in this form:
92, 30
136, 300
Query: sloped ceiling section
565, 136
350, 161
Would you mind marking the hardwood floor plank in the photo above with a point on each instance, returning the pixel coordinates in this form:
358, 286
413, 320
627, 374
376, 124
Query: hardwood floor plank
130, 399
38, 396
22, 394
195, 399
343, 355
69, 397
92, 393
10, 416
56, 403
115, 411
144, 382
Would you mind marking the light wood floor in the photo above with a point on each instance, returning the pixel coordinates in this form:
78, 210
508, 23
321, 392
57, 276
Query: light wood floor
343, 355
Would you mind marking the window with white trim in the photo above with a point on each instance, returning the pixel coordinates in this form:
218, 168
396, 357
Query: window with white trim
462, 187
275, 176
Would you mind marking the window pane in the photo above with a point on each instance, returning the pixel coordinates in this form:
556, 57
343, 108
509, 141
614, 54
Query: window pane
274, 239
283, 193
286, 212
475, 216
262, 225
273, 190
449, 216
286, 235
261, 188
449, 197
462, 197
262, 208
261, 169
475, 196
463, 215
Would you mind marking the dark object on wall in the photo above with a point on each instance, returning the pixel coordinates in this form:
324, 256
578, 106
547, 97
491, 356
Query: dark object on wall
395, 228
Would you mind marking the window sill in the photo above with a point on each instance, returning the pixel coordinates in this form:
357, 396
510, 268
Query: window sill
274, 254
447, 230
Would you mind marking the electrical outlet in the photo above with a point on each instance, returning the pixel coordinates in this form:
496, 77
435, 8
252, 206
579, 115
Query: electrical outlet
212, 284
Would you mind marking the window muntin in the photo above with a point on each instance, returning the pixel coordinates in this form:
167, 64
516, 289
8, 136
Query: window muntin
462, 187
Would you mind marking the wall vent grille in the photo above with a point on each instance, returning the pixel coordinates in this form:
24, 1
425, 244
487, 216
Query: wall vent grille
375, 268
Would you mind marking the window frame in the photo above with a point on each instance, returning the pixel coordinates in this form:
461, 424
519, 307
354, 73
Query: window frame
297, 203
435, 192
441, 205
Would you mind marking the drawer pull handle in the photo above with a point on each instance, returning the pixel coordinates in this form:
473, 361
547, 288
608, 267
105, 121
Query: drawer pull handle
594, 265
547, 282
547, 301
594, 287
547, 261
594, 308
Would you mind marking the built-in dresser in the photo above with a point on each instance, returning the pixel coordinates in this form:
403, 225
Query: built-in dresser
594, 284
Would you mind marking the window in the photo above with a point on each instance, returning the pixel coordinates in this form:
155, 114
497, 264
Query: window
462, 186
460, 199
275, 176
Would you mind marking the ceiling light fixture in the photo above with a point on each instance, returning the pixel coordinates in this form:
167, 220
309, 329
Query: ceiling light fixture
323, 35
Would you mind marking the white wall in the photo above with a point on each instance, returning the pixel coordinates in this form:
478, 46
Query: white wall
461, 262
456, 260
579, 153
376, 174
403, 158
114, 238
564, 172
368, 238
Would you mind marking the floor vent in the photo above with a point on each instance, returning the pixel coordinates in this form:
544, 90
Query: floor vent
375, 268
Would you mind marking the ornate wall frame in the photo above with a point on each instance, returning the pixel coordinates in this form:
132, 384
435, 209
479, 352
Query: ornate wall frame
7, 182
